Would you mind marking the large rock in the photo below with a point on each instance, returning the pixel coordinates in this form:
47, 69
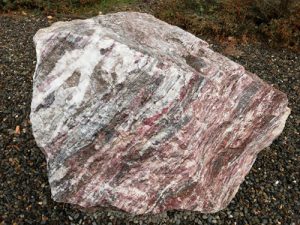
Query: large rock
139, 115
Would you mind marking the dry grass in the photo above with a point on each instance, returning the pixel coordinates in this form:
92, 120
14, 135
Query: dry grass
275, 22
269, 21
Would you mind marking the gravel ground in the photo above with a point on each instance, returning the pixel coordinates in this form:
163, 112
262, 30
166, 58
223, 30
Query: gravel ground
269, 195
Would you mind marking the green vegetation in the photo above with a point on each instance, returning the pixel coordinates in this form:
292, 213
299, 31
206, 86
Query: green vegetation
275, 22
64, 6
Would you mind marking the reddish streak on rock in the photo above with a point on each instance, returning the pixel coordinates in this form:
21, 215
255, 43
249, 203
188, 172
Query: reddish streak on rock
151, 120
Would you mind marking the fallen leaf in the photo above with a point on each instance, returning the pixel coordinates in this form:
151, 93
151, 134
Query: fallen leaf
17, 131
44, 218
13, 146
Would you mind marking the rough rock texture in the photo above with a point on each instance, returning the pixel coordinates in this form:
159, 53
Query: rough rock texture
139, 115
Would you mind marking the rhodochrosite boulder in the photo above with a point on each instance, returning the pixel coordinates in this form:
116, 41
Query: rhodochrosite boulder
135, 114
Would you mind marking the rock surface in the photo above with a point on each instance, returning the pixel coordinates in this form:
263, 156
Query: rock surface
139, 115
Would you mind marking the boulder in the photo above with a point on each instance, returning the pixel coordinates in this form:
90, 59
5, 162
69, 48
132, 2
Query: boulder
135, 114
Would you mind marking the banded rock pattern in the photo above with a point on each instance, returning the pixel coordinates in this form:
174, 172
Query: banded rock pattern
139, 115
